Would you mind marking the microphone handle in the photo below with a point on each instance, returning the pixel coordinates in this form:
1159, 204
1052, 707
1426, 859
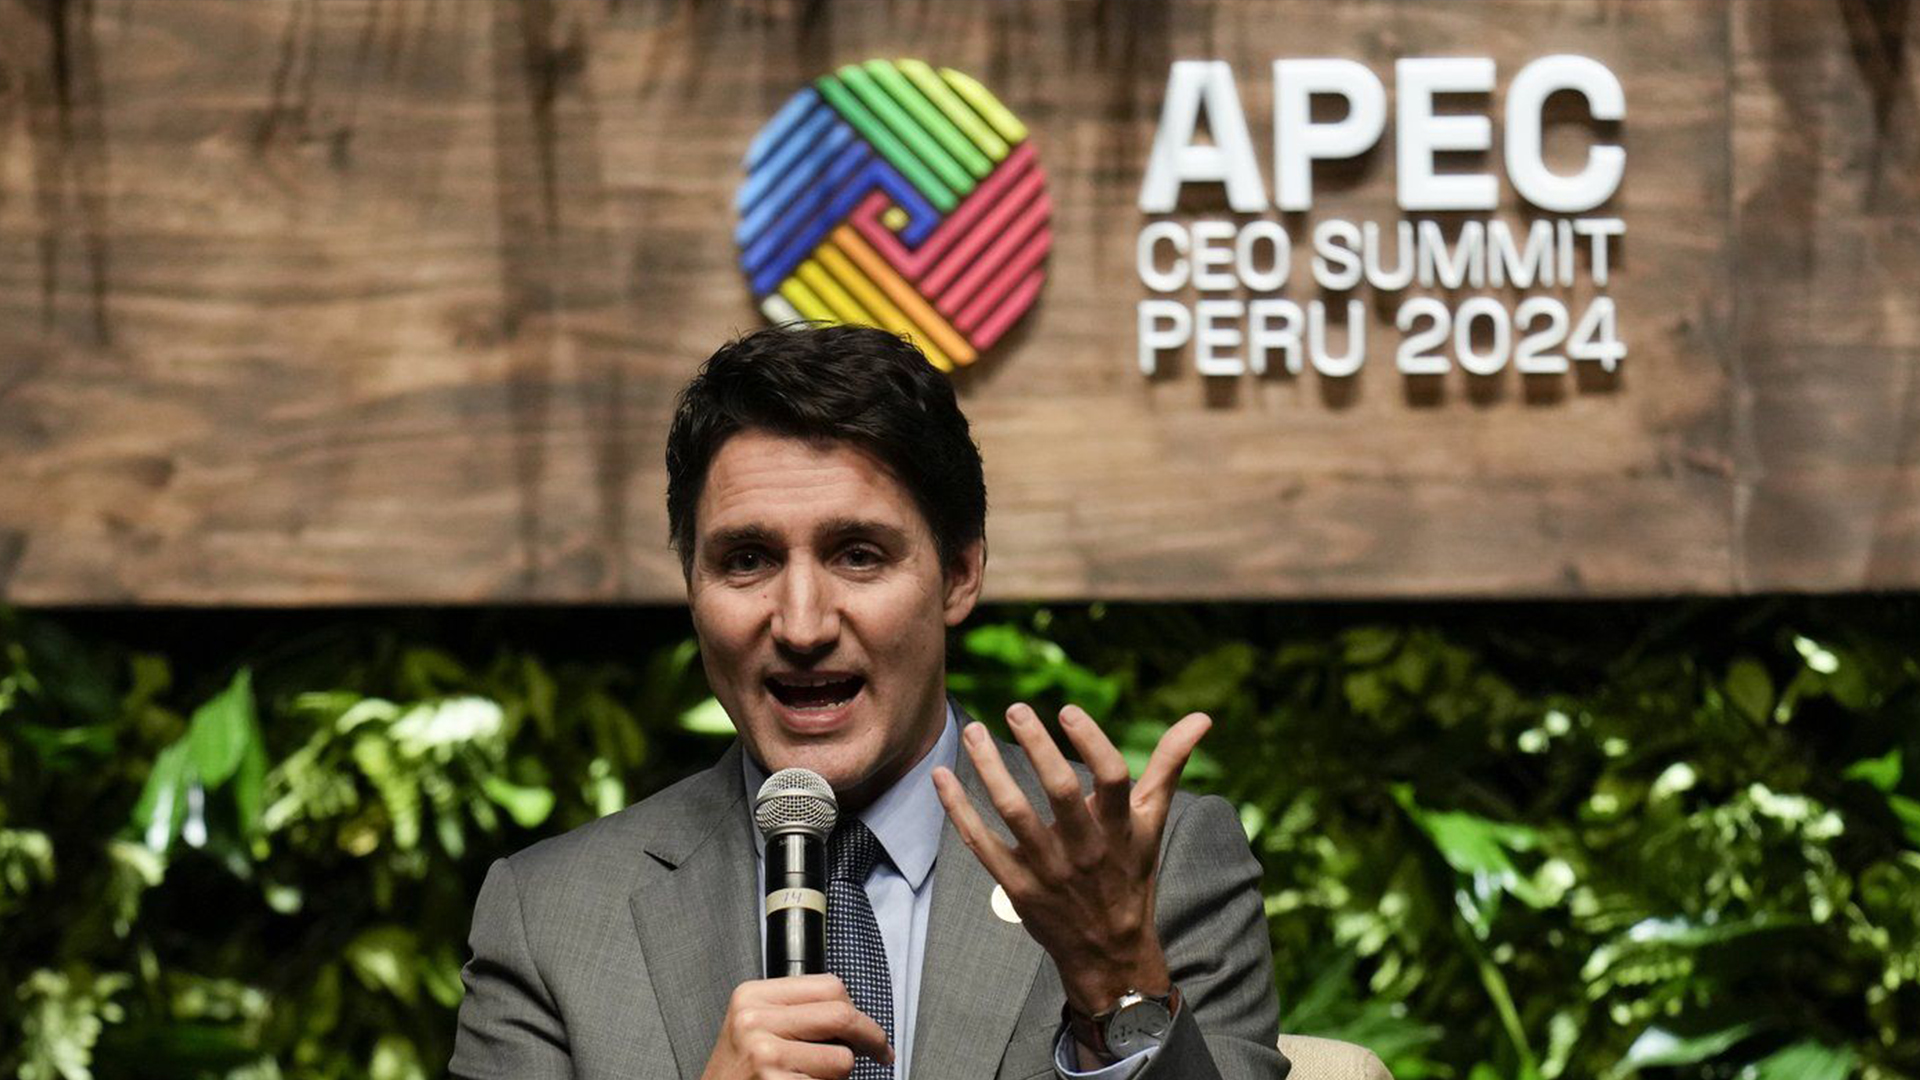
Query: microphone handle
796, 905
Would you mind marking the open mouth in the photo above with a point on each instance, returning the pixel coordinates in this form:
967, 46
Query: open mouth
814, 692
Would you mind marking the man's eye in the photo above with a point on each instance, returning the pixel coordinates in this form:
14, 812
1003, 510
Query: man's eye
744, 562
862, 557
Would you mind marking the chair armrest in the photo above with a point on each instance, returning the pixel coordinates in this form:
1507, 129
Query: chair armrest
1330, 1059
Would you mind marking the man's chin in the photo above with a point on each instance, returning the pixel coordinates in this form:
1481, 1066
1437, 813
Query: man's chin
839, 766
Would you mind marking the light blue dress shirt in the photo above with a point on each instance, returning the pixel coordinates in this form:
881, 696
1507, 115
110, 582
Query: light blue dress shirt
907, 820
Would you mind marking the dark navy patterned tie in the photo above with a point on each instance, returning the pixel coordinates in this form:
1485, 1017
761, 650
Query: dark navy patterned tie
854, 949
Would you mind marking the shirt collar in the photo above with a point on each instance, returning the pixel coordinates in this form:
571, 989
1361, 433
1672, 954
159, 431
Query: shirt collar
906, 818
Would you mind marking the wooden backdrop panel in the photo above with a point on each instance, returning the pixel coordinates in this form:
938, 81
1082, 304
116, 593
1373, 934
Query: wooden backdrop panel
1827, 221
325, 301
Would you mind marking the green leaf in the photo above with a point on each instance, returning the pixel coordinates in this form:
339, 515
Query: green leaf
440, 974
1658, 1046
1806, 1060
1882, 773
1470, 844
398, 787
1366, 645
707, 718
395, 1058
1211, 680
26, 861
1501, 995
1750, 689
150, 677
221, 730
1367, 692
285, 899
387, 958
528, 806
665, 681
609, 796
542, 693
69, 749
453, 839
249, 787
430, 672
1908, 811
322, 1006
617, 733
162, 805
1004, 642
1689, 934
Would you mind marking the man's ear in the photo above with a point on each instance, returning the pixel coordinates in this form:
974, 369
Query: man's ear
963, 578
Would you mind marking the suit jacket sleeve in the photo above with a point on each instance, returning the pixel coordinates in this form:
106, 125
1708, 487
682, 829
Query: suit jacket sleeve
509, 1025
1213, 927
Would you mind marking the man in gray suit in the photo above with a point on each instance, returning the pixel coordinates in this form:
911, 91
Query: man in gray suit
1029, 917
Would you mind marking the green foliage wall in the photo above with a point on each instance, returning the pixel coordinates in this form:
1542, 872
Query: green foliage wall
1654, 840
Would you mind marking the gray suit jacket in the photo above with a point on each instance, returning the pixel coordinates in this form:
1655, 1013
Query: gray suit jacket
611, 951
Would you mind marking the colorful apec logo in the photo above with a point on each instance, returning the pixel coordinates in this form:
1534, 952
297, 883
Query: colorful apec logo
896, 195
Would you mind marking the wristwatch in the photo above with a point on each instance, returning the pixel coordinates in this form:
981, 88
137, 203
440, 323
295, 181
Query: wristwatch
1136, 1022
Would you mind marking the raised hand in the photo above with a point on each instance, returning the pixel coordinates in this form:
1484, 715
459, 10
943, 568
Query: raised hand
1083, 885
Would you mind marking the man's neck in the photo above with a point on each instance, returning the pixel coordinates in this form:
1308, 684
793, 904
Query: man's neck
863, 794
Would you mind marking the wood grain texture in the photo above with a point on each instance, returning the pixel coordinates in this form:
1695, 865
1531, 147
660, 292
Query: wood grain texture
1827, 228
341, 301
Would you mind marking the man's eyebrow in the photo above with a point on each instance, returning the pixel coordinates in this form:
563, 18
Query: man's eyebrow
741, 534
853, 526
836, 528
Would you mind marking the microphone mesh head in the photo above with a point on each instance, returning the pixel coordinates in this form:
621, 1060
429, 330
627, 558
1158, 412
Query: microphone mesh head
795, 800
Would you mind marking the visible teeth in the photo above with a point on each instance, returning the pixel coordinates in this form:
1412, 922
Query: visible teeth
809, 691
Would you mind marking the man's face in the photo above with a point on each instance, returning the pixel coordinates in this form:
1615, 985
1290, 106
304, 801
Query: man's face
822, 607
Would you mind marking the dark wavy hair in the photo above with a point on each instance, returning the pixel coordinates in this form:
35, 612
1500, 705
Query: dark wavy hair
851, 384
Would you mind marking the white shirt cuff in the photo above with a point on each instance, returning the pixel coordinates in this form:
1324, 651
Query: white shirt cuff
1126, 1068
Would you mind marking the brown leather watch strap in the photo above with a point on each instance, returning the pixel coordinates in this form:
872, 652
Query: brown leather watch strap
1087, 1031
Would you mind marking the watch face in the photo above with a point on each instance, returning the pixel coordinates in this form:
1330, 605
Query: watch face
1137, 1026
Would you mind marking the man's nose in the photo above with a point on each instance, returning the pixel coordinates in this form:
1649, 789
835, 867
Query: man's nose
806, 619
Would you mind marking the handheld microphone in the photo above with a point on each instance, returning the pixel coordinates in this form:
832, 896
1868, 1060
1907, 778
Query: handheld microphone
795, 811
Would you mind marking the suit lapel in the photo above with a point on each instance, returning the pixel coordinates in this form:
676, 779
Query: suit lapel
978, 969
693, 908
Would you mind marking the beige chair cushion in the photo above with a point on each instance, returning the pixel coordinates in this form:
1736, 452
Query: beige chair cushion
1330, 1059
